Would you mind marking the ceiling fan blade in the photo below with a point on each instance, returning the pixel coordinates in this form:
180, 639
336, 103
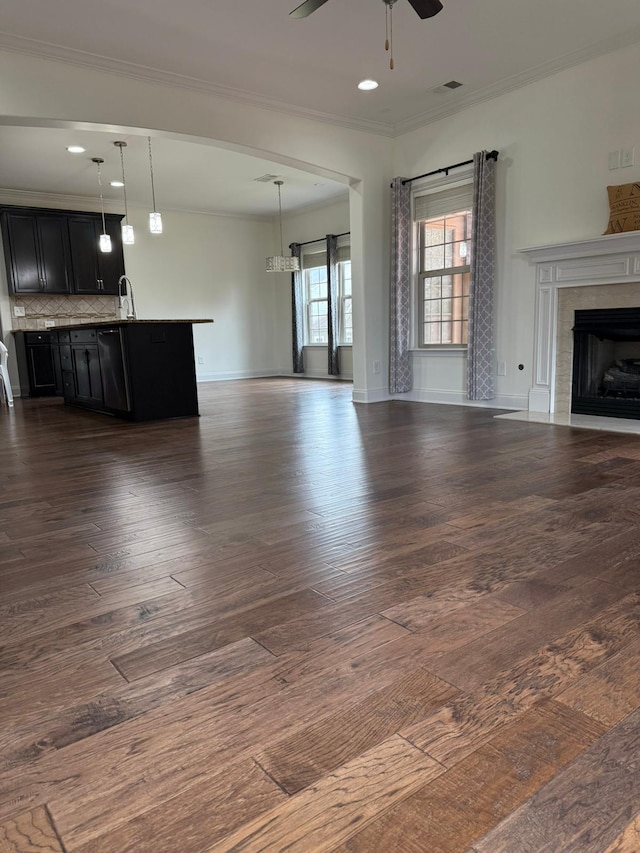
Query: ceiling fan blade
426, 8
306, 8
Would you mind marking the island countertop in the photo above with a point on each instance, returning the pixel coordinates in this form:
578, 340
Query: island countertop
127, 322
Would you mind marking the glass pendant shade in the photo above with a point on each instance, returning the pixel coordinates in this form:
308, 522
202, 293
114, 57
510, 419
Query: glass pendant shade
155, 222
281, 262
127, 235
105, 243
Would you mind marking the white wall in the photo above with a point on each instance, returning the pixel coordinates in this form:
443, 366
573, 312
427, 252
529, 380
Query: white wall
210, 267
301, 227
554, 137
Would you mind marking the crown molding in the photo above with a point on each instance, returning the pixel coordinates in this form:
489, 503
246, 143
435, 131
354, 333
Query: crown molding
517, 81
71, 56
27, 198
454, 103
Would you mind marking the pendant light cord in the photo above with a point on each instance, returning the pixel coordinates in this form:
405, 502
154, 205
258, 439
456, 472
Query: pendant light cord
124, 188
153, 191
104, 227
280, 210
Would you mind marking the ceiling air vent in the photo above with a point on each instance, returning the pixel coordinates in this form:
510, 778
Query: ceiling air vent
445, 88
266, 179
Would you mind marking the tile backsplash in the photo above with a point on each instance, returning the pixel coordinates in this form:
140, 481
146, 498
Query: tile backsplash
63, 310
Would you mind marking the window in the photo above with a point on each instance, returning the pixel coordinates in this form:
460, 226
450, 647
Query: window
314, 266
444, 233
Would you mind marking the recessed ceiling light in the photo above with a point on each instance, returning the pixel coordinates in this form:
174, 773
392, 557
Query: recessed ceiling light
367, 85
116, 184
76, 149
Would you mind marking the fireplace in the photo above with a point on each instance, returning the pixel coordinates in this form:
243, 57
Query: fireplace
606, 363
598, 275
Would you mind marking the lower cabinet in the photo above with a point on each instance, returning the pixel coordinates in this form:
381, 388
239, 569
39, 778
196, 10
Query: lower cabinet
85, 366
134, 370
38, 357
141, 371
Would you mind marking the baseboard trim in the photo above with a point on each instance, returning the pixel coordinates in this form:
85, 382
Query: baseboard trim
377, 395
459, 398
236, 374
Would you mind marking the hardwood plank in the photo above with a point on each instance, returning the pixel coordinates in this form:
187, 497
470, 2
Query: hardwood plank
487, 785
329, 812
466, 722
198, 816
313, 751
190, 644
30, 832
586, 807
610, 691
629, 839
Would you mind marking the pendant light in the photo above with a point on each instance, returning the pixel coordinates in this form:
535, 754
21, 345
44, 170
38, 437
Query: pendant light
282, 263
155, 219
127, 230
104, 243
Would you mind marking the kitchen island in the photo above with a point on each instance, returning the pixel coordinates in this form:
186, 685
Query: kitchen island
140, 370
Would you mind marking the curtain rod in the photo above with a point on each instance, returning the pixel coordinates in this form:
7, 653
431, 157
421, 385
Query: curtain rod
491, 155
309, 242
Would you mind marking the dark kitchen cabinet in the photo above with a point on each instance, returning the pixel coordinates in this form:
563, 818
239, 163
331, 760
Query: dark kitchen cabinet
95, 272
37, 252
39, 366
137, 370
85, 364
57, 252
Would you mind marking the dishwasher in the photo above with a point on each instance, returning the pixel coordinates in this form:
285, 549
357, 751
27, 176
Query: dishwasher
113, 369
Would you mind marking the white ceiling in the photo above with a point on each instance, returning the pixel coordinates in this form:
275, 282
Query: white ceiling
187, 176
253, 50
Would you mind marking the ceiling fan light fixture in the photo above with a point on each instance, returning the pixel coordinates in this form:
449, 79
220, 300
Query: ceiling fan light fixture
368, 85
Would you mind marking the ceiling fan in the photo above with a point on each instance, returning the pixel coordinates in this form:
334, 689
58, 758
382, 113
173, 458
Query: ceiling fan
424, 8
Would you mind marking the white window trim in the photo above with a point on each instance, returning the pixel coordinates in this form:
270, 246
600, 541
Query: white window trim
317, 249
423, 187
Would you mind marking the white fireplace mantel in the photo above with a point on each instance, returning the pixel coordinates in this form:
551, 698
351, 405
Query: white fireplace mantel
612, 259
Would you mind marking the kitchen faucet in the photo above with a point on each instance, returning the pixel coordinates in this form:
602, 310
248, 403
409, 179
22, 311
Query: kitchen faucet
127, 297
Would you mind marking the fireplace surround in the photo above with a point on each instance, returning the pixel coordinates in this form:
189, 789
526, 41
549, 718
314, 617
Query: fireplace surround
598, 274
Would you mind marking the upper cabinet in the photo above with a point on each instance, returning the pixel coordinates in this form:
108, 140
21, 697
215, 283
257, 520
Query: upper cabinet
95, 271
37, 253
50, 252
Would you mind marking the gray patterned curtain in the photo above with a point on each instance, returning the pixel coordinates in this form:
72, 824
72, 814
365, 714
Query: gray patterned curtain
297, 312
400, 368
480, 345
332, 304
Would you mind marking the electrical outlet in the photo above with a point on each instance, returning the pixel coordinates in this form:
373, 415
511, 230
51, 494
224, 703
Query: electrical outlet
614, 159
627, 157
18, 311
49, 323
200, 360
502, 368
376, 367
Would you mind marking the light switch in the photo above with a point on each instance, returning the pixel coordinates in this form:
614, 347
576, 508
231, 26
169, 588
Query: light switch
614, 159
18, 311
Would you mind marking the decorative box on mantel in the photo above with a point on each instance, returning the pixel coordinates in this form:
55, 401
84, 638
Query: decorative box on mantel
603, 272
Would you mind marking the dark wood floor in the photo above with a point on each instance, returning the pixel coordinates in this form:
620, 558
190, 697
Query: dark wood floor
297, 624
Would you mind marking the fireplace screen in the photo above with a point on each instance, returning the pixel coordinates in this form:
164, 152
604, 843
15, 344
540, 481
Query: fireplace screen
606, 363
